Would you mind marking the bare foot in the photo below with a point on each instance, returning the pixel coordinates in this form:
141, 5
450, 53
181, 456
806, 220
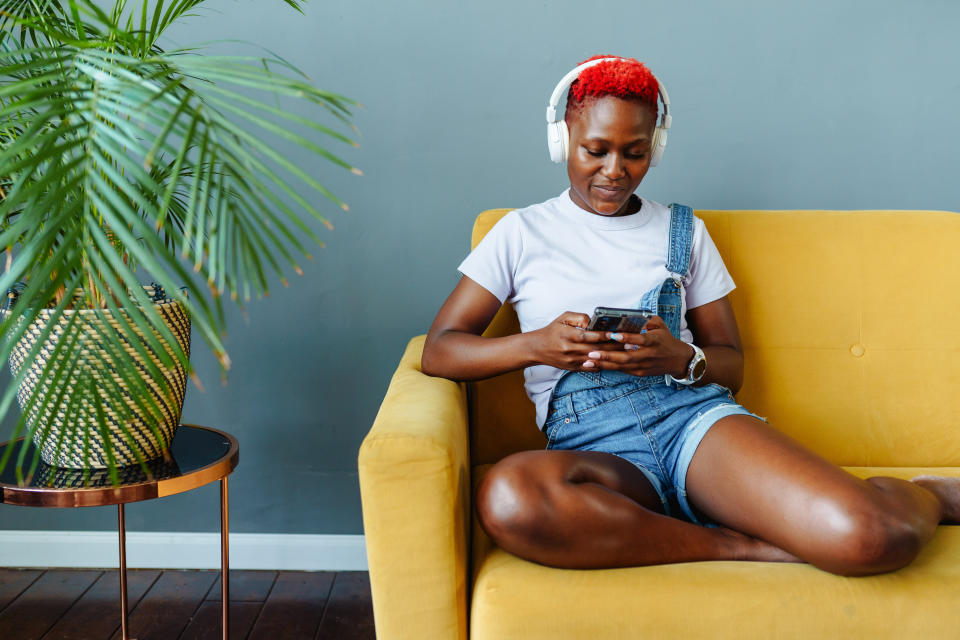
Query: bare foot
754, 549
947, 491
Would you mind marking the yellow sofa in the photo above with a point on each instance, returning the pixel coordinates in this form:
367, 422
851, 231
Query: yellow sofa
849, 326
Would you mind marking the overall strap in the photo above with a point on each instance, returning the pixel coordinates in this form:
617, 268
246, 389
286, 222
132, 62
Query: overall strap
681, 239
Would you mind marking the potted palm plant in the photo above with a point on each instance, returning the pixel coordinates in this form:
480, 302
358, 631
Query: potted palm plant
122, 163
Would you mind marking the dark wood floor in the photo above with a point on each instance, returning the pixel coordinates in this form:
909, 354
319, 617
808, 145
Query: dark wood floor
78, 604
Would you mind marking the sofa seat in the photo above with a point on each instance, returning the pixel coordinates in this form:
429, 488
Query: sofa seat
512, 598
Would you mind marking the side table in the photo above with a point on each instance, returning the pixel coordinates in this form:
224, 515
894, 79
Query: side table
197, 456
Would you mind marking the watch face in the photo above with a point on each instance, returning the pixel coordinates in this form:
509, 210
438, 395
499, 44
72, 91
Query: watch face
699, 369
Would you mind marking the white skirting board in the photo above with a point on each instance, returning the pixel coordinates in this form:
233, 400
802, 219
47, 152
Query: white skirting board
145, 550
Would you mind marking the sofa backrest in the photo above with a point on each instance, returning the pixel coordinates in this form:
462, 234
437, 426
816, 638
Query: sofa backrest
849, 328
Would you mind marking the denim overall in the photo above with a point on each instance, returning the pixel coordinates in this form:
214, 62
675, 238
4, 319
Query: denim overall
649, 420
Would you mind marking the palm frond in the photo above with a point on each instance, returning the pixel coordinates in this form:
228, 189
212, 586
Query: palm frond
119, 160
24, 14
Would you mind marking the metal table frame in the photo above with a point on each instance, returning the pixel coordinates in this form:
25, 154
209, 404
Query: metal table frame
219, 469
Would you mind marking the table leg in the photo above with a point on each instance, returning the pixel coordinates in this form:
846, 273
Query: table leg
225, 559
122, 529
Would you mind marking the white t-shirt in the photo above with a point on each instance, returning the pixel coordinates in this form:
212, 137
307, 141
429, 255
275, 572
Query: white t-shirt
554, 257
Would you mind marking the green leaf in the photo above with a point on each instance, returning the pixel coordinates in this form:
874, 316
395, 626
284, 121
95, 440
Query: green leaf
115, 158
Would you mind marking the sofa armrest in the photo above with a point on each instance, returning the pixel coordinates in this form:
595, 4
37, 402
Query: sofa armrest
415, 489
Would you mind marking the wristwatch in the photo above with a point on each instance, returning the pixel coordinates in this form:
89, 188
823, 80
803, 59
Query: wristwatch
696, 368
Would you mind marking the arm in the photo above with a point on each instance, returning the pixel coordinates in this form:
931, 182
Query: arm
714, 329
456, 349
657, 352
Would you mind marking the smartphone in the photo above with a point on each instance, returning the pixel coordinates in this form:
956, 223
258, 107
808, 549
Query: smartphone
614, 319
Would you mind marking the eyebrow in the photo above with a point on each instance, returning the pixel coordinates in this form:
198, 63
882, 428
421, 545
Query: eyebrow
634, 141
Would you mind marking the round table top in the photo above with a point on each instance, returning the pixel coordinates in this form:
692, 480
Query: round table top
197, 456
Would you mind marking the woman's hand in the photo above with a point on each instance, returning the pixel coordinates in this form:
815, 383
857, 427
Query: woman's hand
655, 351
565, 343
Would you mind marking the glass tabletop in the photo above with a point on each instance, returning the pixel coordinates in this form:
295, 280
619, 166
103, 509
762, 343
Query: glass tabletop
197, 456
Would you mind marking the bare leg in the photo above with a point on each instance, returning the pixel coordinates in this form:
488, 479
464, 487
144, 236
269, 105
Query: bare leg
756, 480
592, 510
947, 491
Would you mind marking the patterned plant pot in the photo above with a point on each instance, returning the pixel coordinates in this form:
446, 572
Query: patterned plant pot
74, 432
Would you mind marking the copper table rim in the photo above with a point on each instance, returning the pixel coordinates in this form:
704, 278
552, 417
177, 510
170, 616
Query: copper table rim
110, 495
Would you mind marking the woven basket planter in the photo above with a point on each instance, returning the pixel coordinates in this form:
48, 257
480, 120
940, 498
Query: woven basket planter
74, 439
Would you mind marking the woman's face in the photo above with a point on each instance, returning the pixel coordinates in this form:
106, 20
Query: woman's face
609, 153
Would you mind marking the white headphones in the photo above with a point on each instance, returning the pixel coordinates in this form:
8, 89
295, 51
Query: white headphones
558, 136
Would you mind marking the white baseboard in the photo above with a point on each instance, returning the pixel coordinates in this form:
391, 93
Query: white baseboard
100, 549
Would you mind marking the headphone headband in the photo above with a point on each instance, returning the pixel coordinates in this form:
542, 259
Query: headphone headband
558, 136
571, 76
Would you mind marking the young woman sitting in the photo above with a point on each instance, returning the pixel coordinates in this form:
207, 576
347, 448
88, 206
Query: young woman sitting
649, 459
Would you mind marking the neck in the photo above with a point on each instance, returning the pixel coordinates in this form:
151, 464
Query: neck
631, 206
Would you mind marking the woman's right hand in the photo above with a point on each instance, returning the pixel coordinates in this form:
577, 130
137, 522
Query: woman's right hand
456, 349
565, 342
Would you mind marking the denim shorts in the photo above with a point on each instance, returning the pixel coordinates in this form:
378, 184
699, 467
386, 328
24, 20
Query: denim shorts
655, 426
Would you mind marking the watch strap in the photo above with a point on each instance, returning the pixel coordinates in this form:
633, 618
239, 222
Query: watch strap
697, 357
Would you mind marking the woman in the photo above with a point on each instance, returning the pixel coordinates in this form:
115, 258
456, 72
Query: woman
644, 444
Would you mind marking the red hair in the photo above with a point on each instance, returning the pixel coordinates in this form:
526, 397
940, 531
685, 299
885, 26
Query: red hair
624, 78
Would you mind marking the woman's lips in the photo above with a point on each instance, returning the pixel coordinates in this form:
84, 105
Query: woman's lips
608, 192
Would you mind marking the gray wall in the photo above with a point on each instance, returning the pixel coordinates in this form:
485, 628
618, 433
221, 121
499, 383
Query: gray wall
815, 104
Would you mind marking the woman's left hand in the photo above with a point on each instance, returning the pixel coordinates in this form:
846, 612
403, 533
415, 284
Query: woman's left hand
653, 352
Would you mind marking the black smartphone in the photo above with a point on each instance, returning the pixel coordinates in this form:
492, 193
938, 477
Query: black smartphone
614, 319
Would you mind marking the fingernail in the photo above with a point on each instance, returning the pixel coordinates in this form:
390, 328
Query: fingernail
594, 354
643, 330
616, 336
631, 347
588, 364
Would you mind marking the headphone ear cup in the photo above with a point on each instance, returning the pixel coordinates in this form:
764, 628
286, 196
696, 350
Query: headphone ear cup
558, 137
657, 145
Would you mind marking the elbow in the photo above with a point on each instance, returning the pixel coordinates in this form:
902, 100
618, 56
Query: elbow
737, 379
432, 359
737, 384
428, 361
436, 363
730, 369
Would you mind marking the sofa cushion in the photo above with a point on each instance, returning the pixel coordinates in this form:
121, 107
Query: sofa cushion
514, 598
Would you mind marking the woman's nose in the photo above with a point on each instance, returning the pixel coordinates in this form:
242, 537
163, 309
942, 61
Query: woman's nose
613, 166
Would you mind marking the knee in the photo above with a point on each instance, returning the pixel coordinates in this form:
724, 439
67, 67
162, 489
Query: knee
507, 501
871, 540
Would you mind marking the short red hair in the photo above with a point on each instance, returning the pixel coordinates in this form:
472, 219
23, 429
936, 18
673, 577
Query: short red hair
624, 78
